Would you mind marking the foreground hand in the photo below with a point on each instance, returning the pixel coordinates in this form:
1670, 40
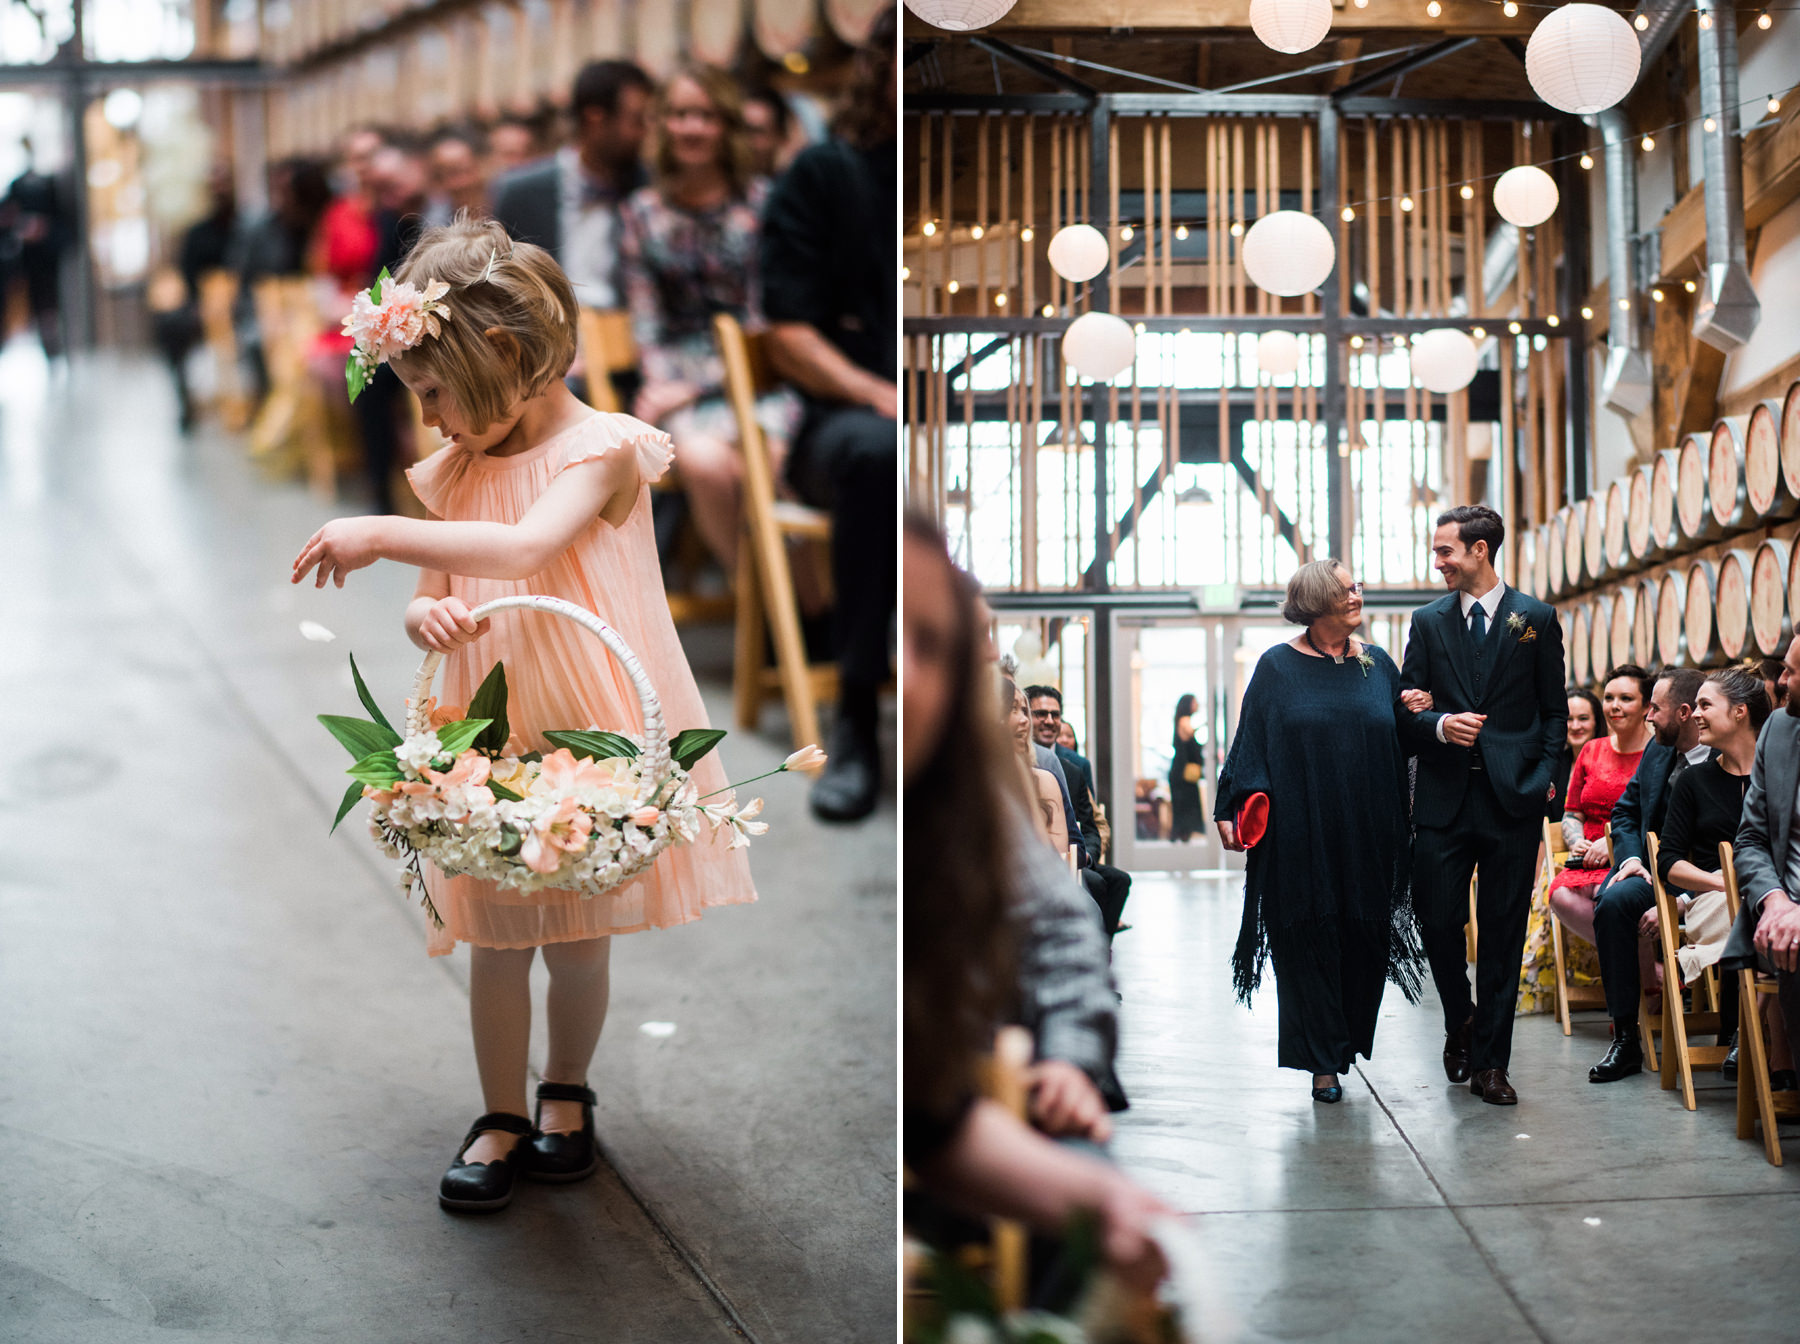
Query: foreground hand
1578, 851
1065, 1103
448, 626
1416, 700
1630, 868
1462, 729
656, 400
1228, 836
1126, 1213
885, 402
1649, 924
1778, 931
340, 546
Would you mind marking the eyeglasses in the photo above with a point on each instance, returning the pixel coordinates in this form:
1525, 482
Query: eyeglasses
1048, 715
1353, 589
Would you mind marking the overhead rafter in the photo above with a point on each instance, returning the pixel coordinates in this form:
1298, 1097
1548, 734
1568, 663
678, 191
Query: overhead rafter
1063, 80
1394, 69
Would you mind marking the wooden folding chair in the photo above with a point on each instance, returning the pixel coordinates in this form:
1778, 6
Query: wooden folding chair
1005, 1080
1569, 998
1757, 1103
607, 347
215, 301
1679, 1058
297, 428
765, 594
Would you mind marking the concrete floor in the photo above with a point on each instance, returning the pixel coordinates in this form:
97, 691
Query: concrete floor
229, 1076
1414, 1211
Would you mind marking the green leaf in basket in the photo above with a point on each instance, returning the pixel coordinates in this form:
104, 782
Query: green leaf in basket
352, 796
691, 744
368, 701
355, 377
511, 841
490, 704
380, 768
457, 737
358, 736
601, 746
503, 793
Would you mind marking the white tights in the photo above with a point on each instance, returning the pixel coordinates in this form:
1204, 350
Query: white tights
500, 1017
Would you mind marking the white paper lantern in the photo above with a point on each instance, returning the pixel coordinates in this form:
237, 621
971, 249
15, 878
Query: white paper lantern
961, 15
1277, 352
1525, 196
1290, 25
1100, 346
1583, 59
1443, 360
1288, 253
1078, 252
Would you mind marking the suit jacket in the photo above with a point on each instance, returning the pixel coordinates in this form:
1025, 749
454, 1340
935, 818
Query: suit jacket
528, 204
1761, 851
1515, 678
1047, 760
1641, 808
1079, 776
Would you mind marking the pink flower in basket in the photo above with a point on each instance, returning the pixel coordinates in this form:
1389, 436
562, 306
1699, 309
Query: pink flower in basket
562, 774
403, 318
460, 788
563, 831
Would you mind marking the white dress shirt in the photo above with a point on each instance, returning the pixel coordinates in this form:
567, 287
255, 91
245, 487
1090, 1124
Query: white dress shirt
1490, 604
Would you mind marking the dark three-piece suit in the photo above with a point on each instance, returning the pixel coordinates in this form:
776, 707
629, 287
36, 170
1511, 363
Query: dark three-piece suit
1482, 806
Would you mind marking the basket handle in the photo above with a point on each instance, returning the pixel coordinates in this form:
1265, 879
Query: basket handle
656, 733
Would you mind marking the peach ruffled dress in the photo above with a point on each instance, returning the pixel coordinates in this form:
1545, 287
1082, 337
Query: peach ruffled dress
559, 676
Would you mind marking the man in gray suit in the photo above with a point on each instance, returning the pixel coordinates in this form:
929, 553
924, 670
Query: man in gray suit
569, 203
1767, 932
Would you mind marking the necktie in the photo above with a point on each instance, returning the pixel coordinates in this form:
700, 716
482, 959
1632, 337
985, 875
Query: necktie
1478, 622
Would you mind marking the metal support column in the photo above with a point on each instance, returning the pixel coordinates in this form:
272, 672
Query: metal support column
1332, 400
1571, 292
1100, 300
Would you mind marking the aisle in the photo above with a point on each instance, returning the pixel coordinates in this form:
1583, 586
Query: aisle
229, 1076
1412, 1211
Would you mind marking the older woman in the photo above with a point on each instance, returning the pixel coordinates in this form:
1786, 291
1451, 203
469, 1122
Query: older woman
1326, 894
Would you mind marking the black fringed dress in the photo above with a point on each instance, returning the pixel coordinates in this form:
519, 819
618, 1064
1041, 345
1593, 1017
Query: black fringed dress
1327, 891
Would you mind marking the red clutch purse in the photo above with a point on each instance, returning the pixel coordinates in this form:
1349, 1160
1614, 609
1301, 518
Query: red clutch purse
1253, 820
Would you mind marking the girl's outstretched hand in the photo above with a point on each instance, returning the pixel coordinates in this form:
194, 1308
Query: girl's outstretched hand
340, 546
447, 625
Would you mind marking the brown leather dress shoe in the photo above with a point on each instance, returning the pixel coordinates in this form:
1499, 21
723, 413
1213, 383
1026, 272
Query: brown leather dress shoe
1491, 1086
1456, 1053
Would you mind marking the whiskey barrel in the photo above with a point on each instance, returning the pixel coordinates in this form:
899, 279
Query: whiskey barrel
1727, 480
1600, 636
1699, 617
1555, 555
1692, 516
1665, 530
1772, 496
1540, 562
1594, 560
1624, 616
1575, 545
1643, 626
1618, 507
1579, 633
1788, 424
1771, 625
1528, 549
1671, 629
1731, 604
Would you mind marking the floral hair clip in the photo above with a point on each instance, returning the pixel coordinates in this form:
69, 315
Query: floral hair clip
382, 325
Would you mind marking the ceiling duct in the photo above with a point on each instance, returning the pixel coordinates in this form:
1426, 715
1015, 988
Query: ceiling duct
1728, 310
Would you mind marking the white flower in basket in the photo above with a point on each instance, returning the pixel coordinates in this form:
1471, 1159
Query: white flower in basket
595, 812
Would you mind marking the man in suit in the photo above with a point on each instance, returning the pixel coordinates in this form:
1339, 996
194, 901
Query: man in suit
569, 203
1111, 886
1767, 932
1492, 659
1627, 893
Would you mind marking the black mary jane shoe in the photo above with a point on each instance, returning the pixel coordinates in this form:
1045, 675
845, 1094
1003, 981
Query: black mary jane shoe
564, 1157
483, 1187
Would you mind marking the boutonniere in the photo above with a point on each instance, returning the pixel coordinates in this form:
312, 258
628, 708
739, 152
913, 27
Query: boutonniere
1367, 660
1517, 625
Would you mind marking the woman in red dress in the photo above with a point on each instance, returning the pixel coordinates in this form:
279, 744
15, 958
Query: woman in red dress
1601, 772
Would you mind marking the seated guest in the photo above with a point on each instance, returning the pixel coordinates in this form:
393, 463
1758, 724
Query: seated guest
829, 296
1585, 718
1626, 892
513, 143
1768, 671
458, 179
1113, 885
1766, 936
962, 947
1602, 770
1054, 813
1065, 736
769, 128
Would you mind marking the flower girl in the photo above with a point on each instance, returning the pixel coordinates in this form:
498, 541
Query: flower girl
536, 494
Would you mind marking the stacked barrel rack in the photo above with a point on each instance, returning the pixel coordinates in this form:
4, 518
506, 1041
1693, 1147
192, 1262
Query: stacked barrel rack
1689, 560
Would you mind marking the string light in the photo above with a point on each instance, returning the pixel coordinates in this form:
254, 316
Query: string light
906, 272
1763, 20
1709, 125
1362, 4
1406, 203
1468, 192
1774, 105
1649, 143
1624, 305
1479, 333
1656, 295
1641, 22
1356, 342
1587, 162
1510, 9
1434, 9
1026, 234
1181, 231
1000, 300
1126, 233
1689, 286
1514, 328
953, 286
1348, 214
1048, 311
930, 227
977, 232
1237, 228
1705, 20
1139, 328
1554, 320
1587, 313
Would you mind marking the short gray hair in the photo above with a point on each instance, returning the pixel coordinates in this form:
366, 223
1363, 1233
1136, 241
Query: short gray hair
1314, 592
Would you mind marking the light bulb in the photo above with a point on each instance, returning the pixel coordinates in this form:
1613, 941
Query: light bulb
1587, 313
1656, 295
1434, 9
1624, 305
1705, 20
1187, 331
906, 272
1554, 320
1356, 342
1026, 234
1468, 192
1587, 161
930, 227
1348, 214
1641, 22
1406, 203
999, 300
976, 232
1048, 311
1774, 105
1139, 328
1362, 4
1510, 9
1763, 20
1648, 143
1126, 233
1709, 125
953, 286
1689, 286
1479, 333
1181, 231
1237, 228
1514, 328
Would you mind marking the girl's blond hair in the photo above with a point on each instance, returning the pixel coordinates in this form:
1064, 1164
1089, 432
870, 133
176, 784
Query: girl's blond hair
511, 332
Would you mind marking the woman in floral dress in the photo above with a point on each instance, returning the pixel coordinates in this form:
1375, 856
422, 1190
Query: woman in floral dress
689, 244
1603, 767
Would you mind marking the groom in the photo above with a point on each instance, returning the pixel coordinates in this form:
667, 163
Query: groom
1492, 659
